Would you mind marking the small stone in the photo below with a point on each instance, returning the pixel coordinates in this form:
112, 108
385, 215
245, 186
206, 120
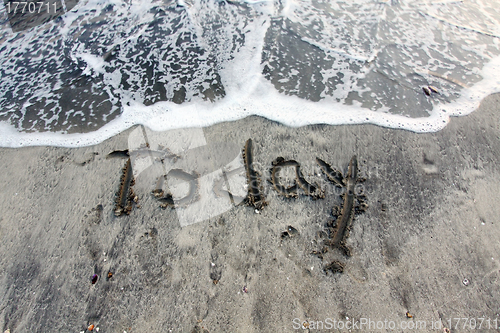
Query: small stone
94, 278
292, 231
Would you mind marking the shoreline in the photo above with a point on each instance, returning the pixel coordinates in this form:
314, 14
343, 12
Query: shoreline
426, 245
299, 113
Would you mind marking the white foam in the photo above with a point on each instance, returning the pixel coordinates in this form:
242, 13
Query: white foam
93, 62
265, 102
248, 92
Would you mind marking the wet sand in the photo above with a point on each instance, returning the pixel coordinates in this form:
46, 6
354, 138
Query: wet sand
427, 244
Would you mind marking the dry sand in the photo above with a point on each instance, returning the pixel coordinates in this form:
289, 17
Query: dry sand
433, 220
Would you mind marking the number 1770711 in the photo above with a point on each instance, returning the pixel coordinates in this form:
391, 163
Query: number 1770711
40, 7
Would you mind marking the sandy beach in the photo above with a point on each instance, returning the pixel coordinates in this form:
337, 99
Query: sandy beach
425, 252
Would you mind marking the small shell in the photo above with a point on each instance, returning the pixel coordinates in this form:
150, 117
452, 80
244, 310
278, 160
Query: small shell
408, 315
434, 89
110, 275
91, 327
94, 278
426, 91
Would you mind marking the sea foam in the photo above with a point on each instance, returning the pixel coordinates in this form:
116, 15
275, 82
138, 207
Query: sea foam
249, 66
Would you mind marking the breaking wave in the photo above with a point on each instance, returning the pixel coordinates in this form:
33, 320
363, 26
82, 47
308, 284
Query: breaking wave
106, 65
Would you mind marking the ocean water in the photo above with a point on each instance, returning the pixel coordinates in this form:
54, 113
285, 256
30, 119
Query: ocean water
102, 66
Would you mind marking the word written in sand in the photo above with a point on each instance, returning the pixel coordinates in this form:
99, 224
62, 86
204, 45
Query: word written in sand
336, 229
